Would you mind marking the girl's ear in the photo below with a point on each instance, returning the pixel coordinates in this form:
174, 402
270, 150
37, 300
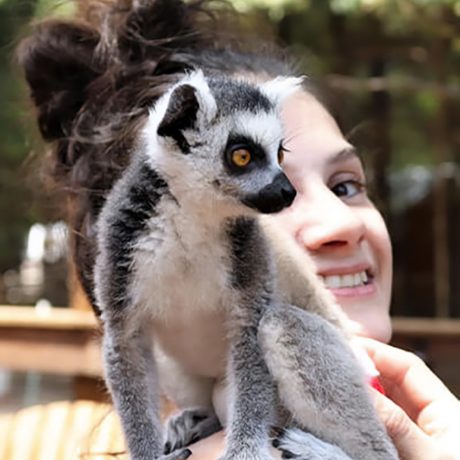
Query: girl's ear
59, 62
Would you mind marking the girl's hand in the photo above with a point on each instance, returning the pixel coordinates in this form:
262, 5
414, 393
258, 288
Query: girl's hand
213, 447
421, 415
210, 448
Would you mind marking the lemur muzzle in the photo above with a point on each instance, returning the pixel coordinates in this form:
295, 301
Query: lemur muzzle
274, 197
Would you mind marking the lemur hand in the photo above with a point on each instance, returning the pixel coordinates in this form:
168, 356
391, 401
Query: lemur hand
421, 415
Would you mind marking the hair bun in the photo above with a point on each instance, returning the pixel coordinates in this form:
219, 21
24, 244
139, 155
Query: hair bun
58, 64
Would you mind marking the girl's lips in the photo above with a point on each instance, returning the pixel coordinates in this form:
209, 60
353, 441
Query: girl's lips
357, 291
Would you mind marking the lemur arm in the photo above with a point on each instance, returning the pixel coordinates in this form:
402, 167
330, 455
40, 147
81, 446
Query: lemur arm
322, 386
253, 399
252, 392
131, 377
130, 368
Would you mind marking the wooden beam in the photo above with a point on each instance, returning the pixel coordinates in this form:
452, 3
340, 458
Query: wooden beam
59, 341
53, 318
67, 342
427, 328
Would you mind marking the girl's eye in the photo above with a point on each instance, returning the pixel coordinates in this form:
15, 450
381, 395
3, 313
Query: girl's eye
280, 155
241, 157
281, 150
348, 188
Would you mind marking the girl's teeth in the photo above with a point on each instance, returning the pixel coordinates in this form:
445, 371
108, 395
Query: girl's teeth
332, 281
342, 281
347, 280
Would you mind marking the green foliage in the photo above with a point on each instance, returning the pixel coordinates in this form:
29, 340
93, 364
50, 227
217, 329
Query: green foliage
275, 8
409, 47
15, 197
47, 8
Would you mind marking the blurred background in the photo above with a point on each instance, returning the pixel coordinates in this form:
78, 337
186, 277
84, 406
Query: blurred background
393, 68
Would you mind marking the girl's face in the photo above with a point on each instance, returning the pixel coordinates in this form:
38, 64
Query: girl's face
333, 219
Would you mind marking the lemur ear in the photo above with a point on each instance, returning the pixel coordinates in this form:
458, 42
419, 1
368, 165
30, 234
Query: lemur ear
280, 88
58, 61
190, 105
181, 114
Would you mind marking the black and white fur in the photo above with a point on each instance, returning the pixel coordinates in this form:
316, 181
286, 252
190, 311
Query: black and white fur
193, 294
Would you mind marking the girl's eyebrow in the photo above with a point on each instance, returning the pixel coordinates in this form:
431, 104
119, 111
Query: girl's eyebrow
347, 153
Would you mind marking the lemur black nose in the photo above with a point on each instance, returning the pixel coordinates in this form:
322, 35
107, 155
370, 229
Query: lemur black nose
274, 197
287, 190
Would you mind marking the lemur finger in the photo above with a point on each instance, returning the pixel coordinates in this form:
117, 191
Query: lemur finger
190, 426
177, 455
300, 445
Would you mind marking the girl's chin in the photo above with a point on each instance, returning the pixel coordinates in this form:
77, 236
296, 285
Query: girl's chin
368, 319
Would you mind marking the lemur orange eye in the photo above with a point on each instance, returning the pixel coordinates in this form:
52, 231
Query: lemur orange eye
241, 157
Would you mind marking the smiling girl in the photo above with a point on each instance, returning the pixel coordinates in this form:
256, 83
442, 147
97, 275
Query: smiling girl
93, 79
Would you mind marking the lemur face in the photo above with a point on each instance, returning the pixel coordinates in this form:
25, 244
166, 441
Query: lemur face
251, 165
222, 140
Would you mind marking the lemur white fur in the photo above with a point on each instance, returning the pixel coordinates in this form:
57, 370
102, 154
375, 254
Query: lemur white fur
185, 267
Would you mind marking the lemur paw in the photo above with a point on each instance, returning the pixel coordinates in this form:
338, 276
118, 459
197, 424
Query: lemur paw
182, 454
300, 445
190, 426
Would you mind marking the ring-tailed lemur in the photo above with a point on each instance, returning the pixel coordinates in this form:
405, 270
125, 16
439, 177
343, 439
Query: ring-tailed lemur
185, 266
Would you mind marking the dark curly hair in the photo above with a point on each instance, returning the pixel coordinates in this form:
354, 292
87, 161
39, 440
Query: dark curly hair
93, 78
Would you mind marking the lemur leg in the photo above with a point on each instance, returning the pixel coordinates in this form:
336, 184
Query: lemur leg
321, 383
253, 400
190, 426
296, 444
194, 393
131, 377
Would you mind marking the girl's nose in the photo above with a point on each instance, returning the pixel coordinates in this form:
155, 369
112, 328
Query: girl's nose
327, 223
